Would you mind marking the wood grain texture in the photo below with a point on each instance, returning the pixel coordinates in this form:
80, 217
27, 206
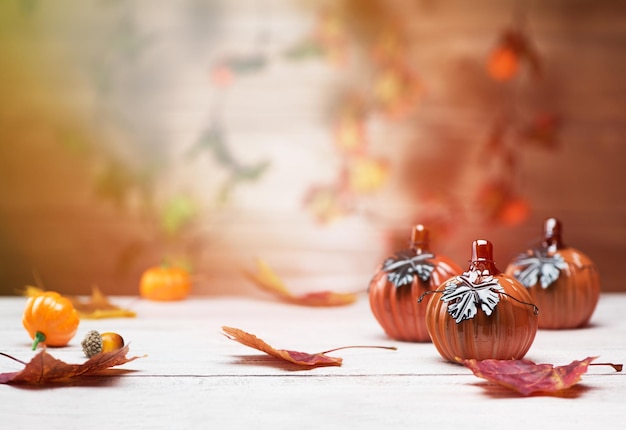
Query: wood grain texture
194, 377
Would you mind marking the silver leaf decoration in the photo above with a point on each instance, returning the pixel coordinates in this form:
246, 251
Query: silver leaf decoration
536, 266
466, 292
405, 265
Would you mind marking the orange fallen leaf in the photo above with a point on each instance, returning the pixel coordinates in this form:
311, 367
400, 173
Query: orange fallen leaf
98, 306
269, 281
526, 377
43, 368
300, 358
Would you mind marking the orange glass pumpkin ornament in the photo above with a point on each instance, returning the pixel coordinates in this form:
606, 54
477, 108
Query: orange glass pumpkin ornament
50, 318
562, 281
401, 280
165, 283
481, 314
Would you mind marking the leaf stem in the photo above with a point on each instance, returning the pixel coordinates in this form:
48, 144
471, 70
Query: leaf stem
13, 358
617, 366
393, 348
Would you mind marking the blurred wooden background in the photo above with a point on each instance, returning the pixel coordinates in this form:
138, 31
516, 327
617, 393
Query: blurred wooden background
58, 124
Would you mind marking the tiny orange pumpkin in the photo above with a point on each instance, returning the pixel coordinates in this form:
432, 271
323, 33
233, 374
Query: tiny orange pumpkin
165, 283
50, 318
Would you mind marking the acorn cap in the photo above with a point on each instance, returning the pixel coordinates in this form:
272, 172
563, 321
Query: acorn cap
92, 343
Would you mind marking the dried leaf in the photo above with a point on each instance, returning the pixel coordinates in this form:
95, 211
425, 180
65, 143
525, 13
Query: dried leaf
43, 368
116, 183
543, 131
177, 213
329, 203
500, 203
300, 358
304, 49
350, 134
366, 175
526, 377
397, 89
98, 306
31, 291
269, 281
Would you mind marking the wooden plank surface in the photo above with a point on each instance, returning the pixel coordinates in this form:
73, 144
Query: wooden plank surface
193, 377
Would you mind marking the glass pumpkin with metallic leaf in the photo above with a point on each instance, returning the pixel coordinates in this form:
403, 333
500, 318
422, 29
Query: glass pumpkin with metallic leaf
401, 280
481, 314
563, 282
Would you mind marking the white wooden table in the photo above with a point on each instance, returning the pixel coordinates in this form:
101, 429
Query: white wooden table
194, 377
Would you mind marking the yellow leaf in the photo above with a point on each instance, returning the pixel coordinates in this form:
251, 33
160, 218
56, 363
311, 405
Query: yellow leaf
269, 281
98, 306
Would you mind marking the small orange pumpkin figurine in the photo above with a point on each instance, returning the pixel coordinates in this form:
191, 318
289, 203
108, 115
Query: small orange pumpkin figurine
165, 283
562, 281
401, 280
50, 318
481, 314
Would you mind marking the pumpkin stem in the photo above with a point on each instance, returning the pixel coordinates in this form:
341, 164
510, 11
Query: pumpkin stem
39, 337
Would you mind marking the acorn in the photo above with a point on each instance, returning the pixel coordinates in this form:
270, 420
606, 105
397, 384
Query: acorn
95, 343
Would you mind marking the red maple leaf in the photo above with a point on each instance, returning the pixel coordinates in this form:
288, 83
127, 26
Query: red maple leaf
526, 377
43, 368
303, 359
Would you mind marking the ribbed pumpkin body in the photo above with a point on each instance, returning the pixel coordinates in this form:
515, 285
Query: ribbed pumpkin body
396, 308
565, 284
482, 314
52, 315
507, 333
